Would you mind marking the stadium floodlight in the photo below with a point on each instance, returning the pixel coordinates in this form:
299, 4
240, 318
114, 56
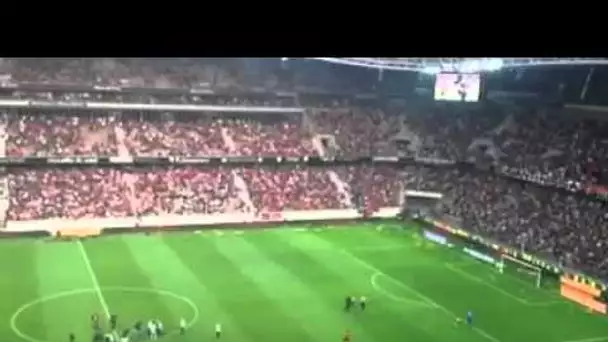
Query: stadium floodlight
522, 268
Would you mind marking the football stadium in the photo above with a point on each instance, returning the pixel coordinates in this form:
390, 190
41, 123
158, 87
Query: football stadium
305, 199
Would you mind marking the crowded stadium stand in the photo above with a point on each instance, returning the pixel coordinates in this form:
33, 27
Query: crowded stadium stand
518, 166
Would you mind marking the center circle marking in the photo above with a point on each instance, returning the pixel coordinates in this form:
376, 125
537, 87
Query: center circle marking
125, 289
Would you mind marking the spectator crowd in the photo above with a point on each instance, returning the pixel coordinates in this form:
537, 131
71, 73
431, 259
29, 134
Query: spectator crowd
554, 152
110, 192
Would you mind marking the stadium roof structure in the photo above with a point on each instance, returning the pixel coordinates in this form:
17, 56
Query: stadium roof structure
435, 65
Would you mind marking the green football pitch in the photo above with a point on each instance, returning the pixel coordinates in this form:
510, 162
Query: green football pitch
276, 285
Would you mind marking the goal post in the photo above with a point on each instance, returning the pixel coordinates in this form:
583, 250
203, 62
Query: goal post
511, 265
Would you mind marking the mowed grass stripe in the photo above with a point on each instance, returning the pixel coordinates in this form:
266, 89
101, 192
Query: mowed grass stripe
522, 285
162, 269
425, 325
324, 291
428, 275
20, 284
341, 265
184, 278
176, 275
116, 265
60, 269
470, 291
202, 268
294, 299
579, 322
333, 278
256, 315
416, 269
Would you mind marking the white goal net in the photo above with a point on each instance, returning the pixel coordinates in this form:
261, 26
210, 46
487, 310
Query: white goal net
521, 269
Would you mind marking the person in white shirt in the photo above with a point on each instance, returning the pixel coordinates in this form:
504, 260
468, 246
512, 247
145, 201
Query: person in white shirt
218, 330
152, 330
159, 327
363, 302
182, 326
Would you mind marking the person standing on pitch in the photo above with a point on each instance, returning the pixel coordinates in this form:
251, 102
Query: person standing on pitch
113, 321
182, 326
348, 303
469, 319
362, 303
159, 327
347, 337
218, 331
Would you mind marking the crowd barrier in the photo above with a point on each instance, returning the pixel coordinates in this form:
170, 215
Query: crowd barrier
52, 226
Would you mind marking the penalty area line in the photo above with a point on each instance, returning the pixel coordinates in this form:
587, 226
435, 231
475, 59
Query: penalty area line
508, 294
469, 276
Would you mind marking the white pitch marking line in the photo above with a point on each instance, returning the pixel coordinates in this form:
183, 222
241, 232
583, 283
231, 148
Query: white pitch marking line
425, 298
483, 282
87, 262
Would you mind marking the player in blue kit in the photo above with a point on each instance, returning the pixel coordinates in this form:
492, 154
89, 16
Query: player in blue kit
469, 318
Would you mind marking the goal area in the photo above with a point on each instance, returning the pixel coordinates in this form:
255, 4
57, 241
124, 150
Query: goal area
521, 269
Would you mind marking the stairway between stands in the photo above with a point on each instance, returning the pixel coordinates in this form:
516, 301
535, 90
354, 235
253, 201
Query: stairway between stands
243, 191
128, 182
228, 139
343, 189
120, 138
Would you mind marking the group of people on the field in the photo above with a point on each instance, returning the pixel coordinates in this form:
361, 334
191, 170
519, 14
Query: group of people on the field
153, 329
351, 301
150, 330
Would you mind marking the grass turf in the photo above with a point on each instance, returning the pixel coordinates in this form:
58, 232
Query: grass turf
278, 285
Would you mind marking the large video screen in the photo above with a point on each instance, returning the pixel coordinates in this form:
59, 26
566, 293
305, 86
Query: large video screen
457, 87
